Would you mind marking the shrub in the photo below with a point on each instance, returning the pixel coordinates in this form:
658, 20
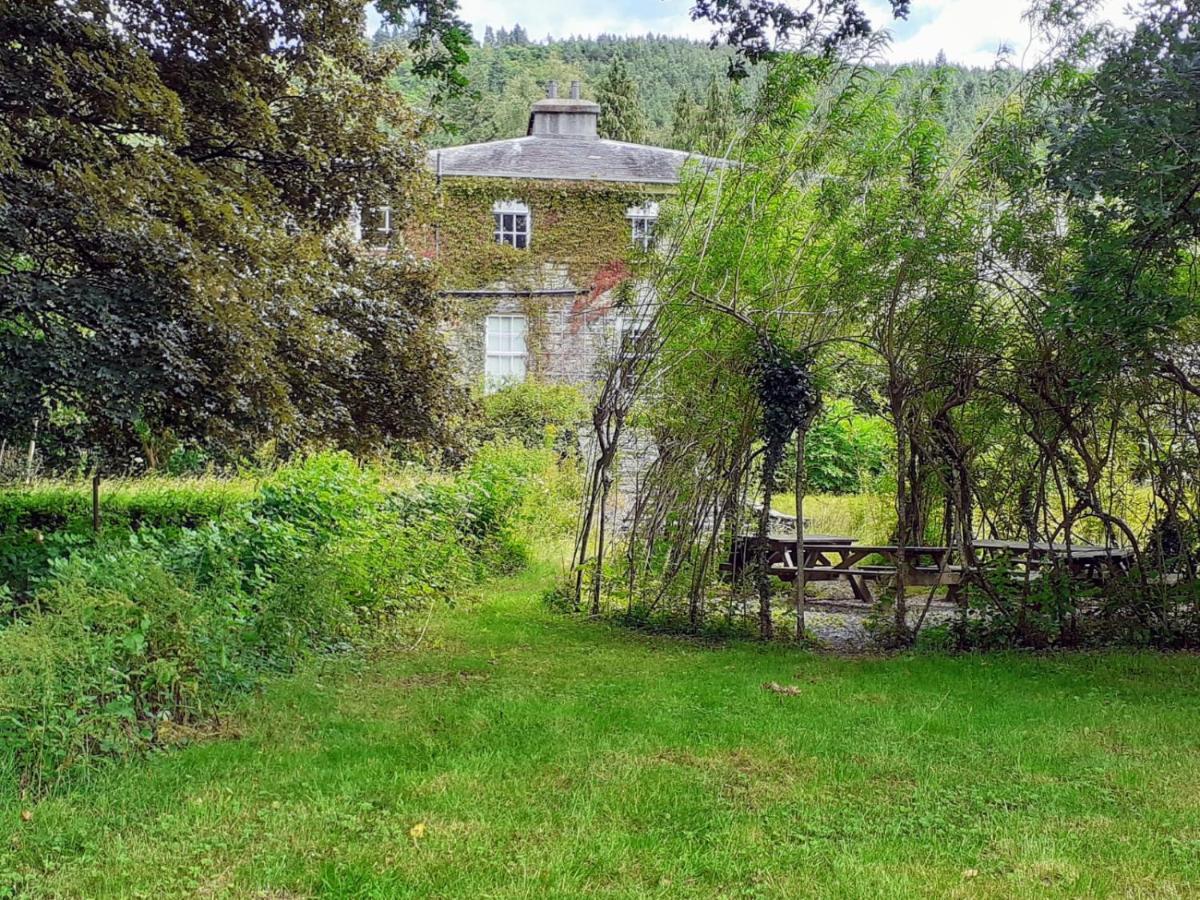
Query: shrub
51, 519
116, 646
534, 415
124, 503
846, 452
127, 633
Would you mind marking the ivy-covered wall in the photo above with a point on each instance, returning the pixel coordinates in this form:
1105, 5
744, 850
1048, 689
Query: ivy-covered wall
580, 226
580, 243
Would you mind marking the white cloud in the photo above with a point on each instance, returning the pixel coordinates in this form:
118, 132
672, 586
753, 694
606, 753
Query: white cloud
968, 31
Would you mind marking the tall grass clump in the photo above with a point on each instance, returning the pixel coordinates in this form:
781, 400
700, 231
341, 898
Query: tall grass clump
129, 637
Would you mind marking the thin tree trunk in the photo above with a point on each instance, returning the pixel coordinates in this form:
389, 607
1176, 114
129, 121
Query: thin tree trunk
598, 584
96, 502
801, 575
766, 627
585, 533
903, 501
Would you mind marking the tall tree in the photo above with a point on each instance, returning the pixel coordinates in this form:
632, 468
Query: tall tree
1131, 160
621, 115
717, 120
683, 121
176, 178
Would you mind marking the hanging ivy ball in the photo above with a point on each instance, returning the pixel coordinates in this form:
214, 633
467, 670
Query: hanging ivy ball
786, 391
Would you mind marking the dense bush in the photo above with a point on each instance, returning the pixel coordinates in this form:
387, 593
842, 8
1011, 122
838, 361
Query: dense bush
534, 415
131, 633
1057, 611
48, 519
845, 452
125, 503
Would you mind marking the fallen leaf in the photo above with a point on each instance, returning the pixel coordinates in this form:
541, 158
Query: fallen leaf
970, 873
417, 831
775, 687
26, 815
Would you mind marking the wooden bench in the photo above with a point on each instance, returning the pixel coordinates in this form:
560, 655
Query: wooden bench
857, 576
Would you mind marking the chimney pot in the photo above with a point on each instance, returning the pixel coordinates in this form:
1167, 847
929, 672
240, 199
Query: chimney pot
552, 89
574, 90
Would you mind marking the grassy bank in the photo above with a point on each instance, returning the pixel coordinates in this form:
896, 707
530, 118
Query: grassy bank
515, 752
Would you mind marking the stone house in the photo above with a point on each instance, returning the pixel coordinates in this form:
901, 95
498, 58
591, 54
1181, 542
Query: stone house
538, 242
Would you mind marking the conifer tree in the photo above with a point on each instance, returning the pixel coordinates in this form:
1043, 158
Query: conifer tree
717, 117
683, 121
621, 115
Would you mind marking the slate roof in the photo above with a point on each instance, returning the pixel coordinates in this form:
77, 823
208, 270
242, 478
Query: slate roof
563, 158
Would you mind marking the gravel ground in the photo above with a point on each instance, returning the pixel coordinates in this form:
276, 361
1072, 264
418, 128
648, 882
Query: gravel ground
840, 625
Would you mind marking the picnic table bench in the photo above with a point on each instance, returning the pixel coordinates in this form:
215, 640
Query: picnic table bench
1082, 560
836, 557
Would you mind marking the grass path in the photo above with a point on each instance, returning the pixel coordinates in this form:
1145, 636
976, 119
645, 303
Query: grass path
518, 754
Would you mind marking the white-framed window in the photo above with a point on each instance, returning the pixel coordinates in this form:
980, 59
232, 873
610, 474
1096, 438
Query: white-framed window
642, 220
514, 224
505, 355
376, 225
628, 346
627, 329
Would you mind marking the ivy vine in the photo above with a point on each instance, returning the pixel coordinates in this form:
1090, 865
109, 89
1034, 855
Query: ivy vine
581, 226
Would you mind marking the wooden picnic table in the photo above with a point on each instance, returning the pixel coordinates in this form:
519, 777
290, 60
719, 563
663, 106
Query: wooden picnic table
924, 567
780, 547
1082, 559
838, 557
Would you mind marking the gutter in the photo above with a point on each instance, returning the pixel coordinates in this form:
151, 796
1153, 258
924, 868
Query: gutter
523, 292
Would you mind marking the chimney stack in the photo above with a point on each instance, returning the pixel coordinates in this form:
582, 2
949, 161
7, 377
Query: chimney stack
564, 117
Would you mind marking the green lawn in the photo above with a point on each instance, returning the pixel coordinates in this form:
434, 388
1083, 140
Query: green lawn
544, 756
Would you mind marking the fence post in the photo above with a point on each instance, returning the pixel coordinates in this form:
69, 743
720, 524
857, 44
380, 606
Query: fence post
32, 448
96, 502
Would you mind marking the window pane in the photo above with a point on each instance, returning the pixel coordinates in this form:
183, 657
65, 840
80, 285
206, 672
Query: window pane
492, 374
494, 337
519, 243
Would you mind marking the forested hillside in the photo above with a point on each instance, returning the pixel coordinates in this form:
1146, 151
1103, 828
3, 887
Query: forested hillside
680, 86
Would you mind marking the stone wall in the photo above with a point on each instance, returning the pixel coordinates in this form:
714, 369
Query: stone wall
569, 340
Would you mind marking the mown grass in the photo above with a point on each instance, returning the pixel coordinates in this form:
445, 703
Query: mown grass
516, 752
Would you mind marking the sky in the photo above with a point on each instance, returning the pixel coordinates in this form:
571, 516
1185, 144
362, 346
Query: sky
968, 31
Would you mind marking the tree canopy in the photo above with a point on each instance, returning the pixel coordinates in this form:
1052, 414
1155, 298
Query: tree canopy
621, 116
1018, 299
176, 181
